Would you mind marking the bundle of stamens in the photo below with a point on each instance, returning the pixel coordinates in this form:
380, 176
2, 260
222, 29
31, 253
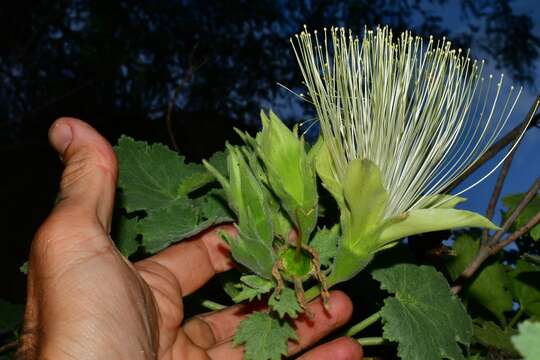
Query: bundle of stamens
422, 113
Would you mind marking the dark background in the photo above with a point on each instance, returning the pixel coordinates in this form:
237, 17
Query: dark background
188, 70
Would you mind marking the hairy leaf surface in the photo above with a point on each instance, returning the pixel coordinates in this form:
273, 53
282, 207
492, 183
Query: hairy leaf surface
490, 334
286, 304
424, 317
252, 287
264, 337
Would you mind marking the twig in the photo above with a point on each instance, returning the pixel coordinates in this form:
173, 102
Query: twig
494, 149
517, 234
497, 191
12, 345
188, 77
495, 245
517, 211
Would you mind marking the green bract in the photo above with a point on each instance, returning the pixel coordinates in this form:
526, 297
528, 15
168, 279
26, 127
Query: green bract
253, 245
290, 173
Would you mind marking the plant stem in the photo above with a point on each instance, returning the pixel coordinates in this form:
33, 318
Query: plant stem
371, 341
355, 329
312, 292
211, 305
495, 245
497, 191
518, 210
516, 317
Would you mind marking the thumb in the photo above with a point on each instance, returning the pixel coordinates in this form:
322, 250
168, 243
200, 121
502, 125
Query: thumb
88, 182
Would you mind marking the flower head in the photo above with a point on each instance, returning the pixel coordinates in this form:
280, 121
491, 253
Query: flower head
422, 112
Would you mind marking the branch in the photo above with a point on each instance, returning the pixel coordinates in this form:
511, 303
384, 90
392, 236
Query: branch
517, 211
494, 149
517, 234
188, 77
497, 191
12, 345
493, 246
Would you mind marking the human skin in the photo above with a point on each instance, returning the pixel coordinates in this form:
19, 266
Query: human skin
87, 301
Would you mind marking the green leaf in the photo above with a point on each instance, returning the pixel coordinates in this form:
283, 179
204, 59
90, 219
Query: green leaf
164, 226
527, 340
532, 208
264, 337
490, 334
424, 317
425, 220
126, 236
11, 316
475, 357
153, 176
290, 173
252, 287
156, 180
489, 287
324, 242
525, 286
285, 304
213, 206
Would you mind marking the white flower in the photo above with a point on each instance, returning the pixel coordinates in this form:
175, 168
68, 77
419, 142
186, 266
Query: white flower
422, 113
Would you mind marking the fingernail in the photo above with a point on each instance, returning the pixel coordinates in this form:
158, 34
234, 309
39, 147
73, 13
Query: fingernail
60, 136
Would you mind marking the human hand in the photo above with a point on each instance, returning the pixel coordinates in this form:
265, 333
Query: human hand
87, 301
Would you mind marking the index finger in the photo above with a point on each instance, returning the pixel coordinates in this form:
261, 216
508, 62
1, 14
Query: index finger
195, 261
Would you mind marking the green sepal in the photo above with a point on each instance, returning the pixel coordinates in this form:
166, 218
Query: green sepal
419, 221
290, 174
365, 200
365, 197
441, 201
326, 171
